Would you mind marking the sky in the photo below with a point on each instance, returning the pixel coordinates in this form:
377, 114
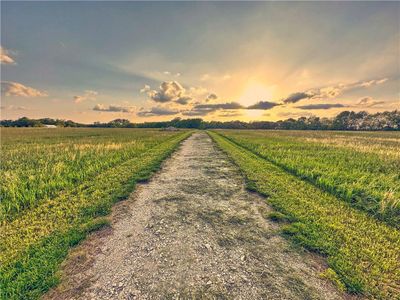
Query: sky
151, 61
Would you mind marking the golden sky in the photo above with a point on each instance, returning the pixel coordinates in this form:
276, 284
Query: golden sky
97, 61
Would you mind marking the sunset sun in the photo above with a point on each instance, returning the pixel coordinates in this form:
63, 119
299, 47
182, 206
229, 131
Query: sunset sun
255, 91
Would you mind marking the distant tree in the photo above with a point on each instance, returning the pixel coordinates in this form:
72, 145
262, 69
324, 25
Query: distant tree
119, 123
346, 120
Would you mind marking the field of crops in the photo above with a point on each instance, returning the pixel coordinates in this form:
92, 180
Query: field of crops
337, 194
55, 186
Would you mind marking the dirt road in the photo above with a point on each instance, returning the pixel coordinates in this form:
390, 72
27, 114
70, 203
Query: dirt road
192, 232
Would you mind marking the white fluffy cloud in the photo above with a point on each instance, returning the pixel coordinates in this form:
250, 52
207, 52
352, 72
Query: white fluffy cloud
10, 88
113, 108
5, 57
87, 95
168, 91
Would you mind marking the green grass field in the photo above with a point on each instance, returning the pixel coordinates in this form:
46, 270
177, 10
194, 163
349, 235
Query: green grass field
359, 168
56, 184
337, 194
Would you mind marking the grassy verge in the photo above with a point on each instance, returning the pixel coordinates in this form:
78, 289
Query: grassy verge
39, 164
35, 243
359, 168
363, 253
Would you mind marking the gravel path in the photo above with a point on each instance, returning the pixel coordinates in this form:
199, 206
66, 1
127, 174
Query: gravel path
192, 232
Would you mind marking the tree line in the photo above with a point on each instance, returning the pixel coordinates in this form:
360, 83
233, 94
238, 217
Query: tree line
346, 120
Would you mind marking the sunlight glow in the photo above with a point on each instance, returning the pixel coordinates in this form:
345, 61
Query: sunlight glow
255, 91
254, 113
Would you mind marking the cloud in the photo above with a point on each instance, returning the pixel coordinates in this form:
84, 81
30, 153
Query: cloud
369, 102
229, 108
294, 115
157, 111
208, 77
217, 106
331, 91
205, 77
113, 108
229, 114
168, 73
10, 88
373, 82
264, 105
5, 57
13, 107
145, 89
183, 100
196, 112
295, 97
321, 106
168, 91
88, 95
204, 109
211, 97
198, 92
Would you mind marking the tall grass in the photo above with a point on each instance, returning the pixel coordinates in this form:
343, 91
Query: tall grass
37, 164
360, 168
36, 239
362, 252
